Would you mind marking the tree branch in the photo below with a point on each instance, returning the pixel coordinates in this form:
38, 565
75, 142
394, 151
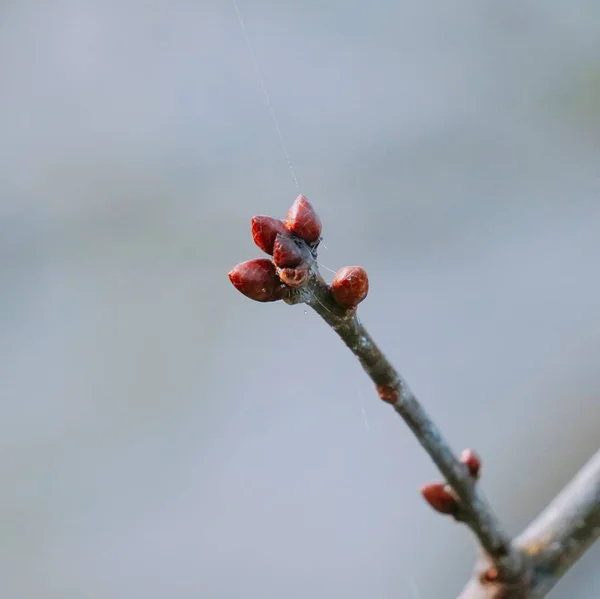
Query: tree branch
475, 511
554, 541
560, 535
527, 567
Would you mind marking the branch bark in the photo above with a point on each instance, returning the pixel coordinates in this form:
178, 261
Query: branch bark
476, 513
554, 541
525, 568
531, 565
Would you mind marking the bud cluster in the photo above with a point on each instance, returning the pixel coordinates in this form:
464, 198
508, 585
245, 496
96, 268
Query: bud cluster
292, 244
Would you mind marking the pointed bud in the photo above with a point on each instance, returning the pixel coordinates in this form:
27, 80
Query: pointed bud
264, 231
472, 461
302, 220
350, 286
440, 498
295, 277
286, 252
257, 280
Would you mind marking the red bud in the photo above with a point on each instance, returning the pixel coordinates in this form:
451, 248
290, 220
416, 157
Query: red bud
388, 393
264, 231
490, 575
302, 220
350, 286
285, 252
295, 277
439, 498
472, 461
257, 280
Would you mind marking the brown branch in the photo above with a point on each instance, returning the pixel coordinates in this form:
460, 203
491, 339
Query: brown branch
554, 541
475, 511
532, 564
527, 567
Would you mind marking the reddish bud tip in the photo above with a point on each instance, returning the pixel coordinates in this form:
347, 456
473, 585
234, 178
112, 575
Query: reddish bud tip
472, 461
264, 231
295, 277
388, 393
302, 220
489, 575
257, 280
350, 286
439, 498
285, 252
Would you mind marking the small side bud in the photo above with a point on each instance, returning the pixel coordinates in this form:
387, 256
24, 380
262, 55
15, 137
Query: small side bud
489, 576
264, 231
295, 277
388, 393
286, 253
472, 461
257, 280
438, 496
350, 286
302, 220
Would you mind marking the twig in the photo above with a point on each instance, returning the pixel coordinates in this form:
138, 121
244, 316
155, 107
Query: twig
527, 567
392, 388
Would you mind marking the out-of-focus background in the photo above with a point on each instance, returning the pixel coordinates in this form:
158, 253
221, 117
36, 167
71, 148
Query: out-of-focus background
162, 436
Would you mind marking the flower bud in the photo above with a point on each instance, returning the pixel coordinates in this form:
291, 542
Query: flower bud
295, 277
257, 280
440, 498
286, 252
264, 231
350, 286
302, 220
472, 461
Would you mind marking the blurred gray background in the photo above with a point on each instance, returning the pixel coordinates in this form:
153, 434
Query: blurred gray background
161, 435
